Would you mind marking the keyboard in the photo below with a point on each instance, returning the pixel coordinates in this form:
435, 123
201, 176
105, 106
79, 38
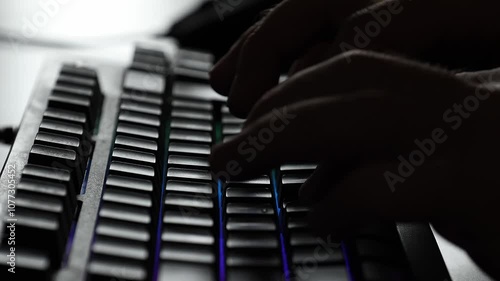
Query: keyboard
108, 179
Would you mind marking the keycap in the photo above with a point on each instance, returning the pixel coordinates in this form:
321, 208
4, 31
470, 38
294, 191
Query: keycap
78, 118
60, 158
230, 119
70, 69
188, 253
49, 174
31, 264
245, 193
249, 209
72, 83
189, 148
170, 270
134, 156
128, 183
76, 81
74, 102
257, 258
149, 68
297, 222
138, 96
192, 161
123, 230
56, 190
121, 248
191, 124
129, 197
192, 104
296, 207
187, 74
190, 136
301, 255
137, 130
262, 180
141, 107
45, 203
191, 114
231, 129
142, 171
139, 118
64, 128
144, 82
251, 224
191, 187
297, 167
290, 179
136, 143
121, 269
263, 240
196, 60
188, 234
189, 174
302, 238
178, 217
124, 212
255, 274
65, 142
188, 201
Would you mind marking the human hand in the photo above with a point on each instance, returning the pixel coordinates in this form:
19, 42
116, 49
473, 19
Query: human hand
385, 112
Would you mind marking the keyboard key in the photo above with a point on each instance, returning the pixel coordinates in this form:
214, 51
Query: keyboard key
245, 193
190, 136
191, 114
189, 174
139, 118
189, 148
188, 253
109, 268
120, 248
189, 201
31, 264
322, 273
255, 274
231, 129
144, 82
78, 118
141, 107
45, 203
262, 180
56, 190
125, 213
65, 142
249, 209
136, 143
188, 234
193, 161
301, 255
170, 270
128, 197
60, 158
302, 238
297, 167
50, 174
191, 187
289, 179
191, 124
257, 258
177, 217
72, 102
64, 128
128, 183
250, 224
263, 240
142, 171
137, 130
70, 69
123, 230
192, 104
138, 96
134, 156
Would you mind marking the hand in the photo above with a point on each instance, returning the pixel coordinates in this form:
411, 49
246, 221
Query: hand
304, 33
424, 140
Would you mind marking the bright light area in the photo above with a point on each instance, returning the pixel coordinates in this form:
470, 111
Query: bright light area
69, 20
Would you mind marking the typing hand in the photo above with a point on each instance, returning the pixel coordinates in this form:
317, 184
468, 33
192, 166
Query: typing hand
304, 33
400, 140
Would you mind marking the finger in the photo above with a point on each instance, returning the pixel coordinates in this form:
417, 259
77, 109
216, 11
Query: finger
278, 40
325, 177
377, 191
363, 70
317, 129
224, 70
314, 55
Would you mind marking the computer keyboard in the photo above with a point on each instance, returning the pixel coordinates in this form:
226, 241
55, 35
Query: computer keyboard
109, 179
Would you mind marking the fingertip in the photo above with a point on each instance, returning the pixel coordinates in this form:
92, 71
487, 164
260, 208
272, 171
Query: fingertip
220, 77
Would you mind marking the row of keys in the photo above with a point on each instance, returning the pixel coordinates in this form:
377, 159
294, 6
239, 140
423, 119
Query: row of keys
126, 230
46, 195
189, 237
